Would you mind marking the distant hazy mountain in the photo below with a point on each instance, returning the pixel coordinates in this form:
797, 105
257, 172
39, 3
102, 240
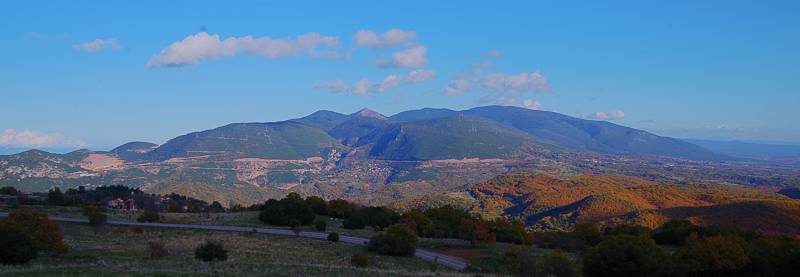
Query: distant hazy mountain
750, 149
573, 133
136, 150
450, 138
278, 140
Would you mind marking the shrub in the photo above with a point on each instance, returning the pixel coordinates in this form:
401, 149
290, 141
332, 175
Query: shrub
137, 230
9, 191
675, 232
295, 226
97, 219
624, 255
149, 216
587, 233
321, 224
396, 240
357, 220
284, 211
96, 215
360, 260
340, 208
211, 251
274, 215
416, 220
717, 255
216, 207
15, 247
555, 263
508, 231
633, 230
381, 217
475, 230
55, 197
157, 250
44, 233
318, 205
446, 220
333, 237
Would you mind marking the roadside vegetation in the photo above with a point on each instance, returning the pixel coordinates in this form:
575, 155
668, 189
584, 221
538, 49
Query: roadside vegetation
497, 246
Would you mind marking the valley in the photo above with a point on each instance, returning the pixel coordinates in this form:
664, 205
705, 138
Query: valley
429, 156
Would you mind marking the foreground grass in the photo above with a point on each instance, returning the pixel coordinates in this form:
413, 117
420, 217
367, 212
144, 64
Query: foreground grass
487, 258
243, 219
123, 251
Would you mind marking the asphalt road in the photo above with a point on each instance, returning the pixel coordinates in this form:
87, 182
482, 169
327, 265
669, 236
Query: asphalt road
448, 261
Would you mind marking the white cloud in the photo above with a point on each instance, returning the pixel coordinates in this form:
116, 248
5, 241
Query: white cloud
527, 103
98, 45
366, 87
413, 57
389, 82
498, 85
390, 38
533, 81
26, 138
457, 86
201, 46
494, 53
420, 75
614, 115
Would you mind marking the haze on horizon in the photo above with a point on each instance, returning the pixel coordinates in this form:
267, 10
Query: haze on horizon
97, 74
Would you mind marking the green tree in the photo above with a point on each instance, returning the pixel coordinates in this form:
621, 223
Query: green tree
287, 210
774, 256
396, 240
675, 232
216, 207
340, 208
321, 224
318, 205
55, 197
416, 220
714, 256
508, 231
625, 229
97, 219
9, 191
446, 220
476, 230
15, 247
588, 233
624, 255
356, 220
333, 237
44, 233
381, 217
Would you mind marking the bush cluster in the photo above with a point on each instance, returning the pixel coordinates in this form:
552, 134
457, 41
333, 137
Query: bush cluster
396, 240
211, 251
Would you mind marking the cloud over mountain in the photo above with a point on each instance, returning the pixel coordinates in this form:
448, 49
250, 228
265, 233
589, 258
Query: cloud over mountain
365, 86
202, 46
390, 38
613, 115
28, 138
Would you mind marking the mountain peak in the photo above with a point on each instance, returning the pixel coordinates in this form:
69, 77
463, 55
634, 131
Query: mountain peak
365, 112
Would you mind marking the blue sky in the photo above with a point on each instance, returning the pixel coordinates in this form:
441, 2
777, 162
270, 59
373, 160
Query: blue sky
99, 73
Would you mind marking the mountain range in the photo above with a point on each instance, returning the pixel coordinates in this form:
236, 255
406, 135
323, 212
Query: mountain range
426, 134
374, 159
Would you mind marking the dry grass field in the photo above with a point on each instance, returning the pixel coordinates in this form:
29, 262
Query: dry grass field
124, 251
